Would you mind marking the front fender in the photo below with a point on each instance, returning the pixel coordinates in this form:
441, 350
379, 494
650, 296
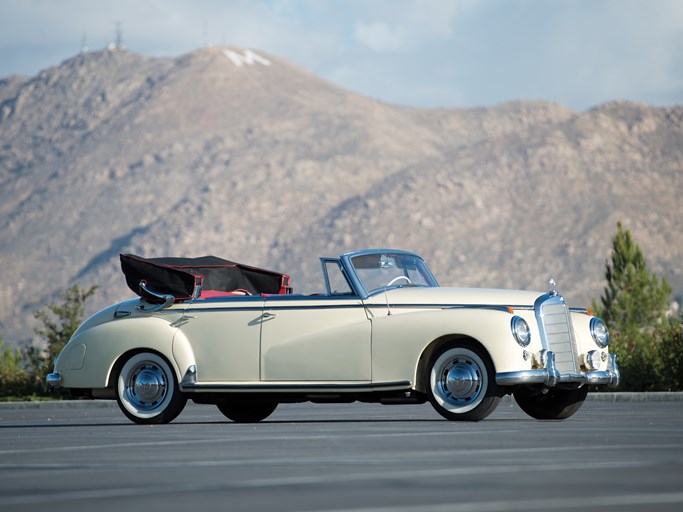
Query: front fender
401, 341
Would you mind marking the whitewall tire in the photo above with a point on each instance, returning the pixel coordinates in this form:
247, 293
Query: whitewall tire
147, 389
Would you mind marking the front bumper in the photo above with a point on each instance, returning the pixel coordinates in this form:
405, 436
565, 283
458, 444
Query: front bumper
551, 377
54, 380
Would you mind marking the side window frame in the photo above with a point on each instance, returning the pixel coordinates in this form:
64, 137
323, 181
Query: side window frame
328, 286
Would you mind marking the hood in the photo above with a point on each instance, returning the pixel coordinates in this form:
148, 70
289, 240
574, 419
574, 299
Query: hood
458, 296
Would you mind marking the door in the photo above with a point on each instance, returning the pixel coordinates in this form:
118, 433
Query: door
225, 338
315, 339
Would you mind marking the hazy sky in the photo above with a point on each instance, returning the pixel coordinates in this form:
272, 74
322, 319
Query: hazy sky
452, 53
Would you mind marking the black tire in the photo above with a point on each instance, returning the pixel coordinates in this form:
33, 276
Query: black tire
246, 411
554, 404
147, 389
461, 383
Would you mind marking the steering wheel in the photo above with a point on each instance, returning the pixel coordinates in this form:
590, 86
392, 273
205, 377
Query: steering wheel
397, 278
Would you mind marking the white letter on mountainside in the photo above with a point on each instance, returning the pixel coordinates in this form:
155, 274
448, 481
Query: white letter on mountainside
249, 58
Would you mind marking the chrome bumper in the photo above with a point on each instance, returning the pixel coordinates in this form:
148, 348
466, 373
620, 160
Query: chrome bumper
54, 380
551, 377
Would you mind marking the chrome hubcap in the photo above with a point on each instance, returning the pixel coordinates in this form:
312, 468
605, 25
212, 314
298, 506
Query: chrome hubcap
147, 386
460, 381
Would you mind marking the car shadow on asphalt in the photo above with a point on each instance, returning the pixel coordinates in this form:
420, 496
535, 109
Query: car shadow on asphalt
271, 422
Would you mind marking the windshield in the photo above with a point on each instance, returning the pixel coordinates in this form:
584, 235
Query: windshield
380, 270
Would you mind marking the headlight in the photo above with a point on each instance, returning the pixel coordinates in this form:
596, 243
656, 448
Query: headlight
520, 330
599, 332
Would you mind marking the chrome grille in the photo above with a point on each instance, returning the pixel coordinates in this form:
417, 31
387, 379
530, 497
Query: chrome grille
556, 330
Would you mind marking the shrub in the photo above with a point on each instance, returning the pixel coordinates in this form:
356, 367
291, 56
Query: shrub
23, 373
668, 361
14, 379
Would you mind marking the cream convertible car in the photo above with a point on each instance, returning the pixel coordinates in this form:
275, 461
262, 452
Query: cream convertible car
222, 333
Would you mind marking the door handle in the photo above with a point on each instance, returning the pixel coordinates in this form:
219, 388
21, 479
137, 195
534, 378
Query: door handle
268, 314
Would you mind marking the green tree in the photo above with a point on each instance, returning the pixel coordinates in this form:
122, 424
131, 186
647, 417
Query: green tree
60, 321
634, 305
634, 299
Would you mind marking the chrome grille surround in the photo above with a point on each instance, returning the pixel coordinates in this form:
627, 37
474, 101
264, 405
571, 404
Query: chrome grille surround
557, 333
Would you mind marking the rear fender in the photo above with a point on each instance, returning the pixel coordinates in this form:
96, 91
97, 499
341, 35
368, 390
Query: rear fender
104, 344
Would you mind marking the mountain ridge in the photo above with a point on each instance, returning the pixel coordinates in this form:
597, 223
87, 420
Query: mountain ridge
272, 166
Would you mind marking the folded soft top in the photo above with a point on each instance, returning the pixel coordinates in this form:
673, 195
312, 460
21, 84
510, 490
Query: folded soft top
180, 277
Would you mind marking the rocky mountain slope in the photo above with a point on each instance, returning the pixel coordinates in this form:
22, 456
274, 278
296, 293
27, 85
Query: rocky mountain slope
243, 155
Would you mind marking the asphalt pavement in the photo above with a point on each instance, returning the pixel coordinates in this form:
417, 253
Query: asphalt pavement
615, 454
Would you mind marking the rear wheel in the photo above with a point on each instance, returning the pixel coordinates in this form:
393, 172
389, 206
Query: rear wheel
550, 404
462, 383
246, 411
147, 390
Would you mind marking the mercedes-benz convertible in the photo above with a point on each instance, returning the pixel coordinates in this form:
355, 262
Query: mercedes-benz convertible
218, 332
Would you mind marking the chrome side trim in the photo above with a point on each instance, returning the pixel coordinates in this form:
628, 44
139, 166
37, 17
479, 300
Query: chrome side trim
495, 307
280, 302
287, 387
550, 377
54, 380
274, 307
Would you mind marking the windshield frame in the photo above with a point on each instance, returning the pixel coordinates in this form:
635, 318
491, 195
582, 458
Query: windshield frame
360, 285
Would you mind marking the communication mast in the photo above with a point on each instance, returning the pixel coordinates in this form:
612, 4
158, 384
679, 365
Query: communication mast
119, 35
118, 44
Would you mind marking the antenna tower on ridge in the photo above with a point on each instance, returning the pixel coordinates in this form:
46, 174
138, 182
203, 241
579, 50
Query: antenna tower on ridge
118, 44
119, 35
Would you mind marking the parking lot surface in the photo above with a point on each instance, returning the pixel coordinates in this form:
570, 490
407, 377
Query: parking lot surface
624, 456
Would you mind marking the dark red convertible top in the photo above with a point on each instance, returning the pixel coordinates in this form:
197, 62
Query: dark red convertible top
180, 276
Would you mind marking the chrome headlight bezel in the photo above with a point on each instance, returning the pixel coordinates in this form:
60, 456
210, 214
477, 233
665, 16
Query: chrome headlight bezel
520, 331
599, 332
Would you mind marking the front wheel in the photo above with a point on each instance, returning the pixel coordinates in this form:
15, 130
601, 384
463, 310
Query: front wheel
550, 404
462, 383
245, 411
147, 390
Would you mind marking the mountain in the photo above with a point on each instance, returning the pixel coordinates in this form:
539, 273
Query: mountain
246, 156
